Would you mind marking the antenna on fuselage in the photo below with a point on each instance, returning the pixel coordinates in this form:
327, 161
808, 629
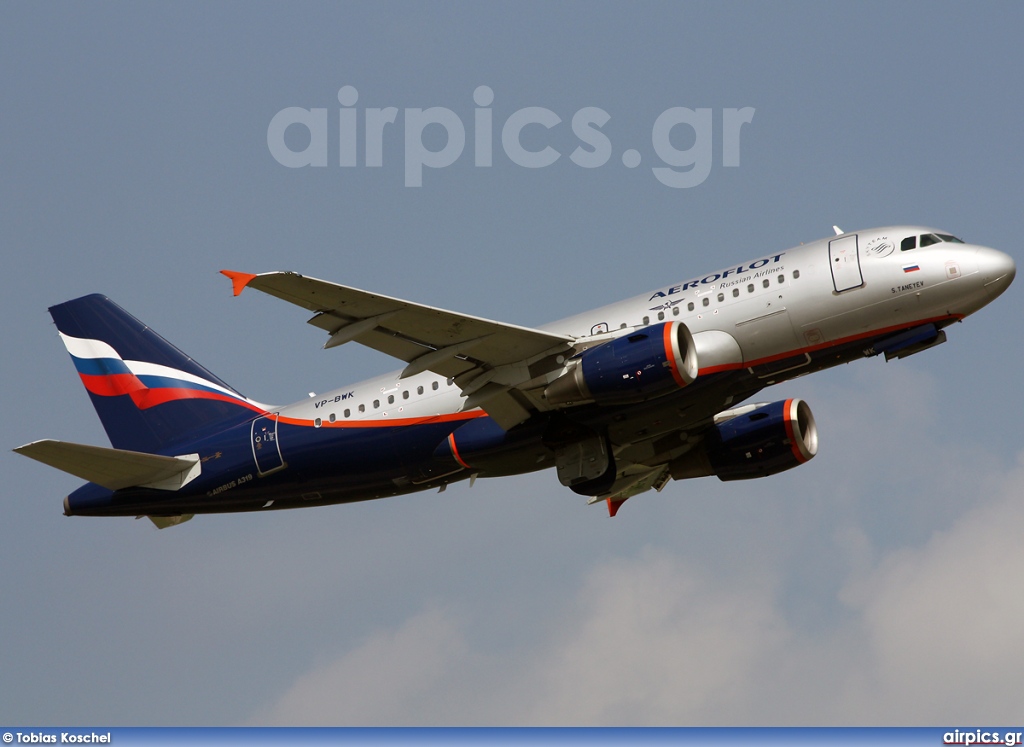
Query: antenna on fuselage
838, 230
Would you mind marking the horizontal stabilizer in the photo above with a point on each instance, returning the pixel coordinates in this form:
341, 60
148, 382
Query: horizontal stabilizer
115, 469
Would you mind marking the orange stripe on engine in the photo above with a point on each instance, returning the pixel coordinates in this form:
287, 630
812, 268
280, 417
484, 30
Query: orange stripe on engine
791, 431
455, 451
670, 356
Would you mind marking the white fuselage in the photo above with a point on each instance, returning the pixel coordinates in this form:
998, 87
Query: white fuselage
774, 307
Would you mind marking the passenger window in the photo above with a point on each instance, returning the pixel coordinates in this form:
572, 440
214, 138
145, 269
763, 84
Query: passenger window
908, 243
661, 316
796, 274
419, 390
750, 288
766, 282
405, 394
332, 418
735, 292
376, 404
362, 408
348, 412
391, 399
689, 306
675, 311
782, 278
434, 386
317, 423
622, 326
721, 297
647, 320
705, 301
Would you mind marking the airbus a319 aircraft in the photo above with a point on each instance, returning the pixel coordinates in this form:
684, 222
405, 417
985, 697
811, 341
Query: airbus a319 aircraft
618, 400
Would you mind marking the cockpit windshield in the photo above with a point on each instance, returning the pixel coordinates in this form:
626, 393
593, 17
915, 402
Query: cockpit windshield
927, 239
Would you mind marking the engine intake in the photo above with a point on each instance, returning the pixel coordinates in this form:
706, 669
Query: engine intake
756, 441
642, 365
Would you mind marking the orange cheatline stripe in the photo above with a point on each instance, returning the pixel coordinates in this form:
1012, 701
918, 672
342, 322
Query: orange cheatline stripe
238, 279
824, 345
385, 423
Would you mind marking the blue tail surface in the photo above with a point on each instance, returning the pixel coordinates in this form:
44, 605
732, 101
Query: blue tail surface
149, 395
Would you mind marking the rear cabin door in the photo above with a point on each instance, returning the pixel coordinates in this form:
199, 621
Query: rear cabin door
845, 263
265, 448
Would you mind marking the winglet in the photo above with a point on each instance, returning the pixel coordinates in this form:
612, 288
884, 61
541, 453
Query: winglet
613, 505
238, 279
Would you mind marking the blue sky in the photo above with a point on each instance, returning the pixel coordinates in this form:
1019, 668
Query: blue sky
880, 583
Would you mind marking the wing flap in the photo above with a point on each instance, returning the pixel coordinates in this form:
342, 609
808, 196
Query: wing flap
115, 469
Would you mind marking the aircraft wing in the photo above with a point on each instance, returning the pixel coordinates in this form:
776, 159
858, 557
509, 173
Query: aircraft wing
488, 360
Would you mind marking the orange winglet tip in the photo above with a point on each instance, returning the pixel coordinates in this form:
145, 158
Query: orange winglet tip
238, 279
613, 506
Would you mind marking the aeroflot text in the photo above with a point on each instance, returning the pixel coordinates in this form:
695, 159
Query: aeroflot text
679, 169
755, 265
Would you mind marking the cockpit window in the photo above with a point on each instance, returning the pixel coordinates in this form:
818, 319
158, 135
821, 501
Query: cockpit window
927, 239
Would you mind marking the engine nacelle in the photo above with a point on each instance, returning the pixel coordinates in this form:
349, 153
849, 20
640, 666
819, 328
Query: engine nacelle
753, 441
642, 365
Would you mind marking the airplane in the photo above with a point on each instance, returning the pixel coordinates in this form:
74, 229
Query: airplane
619, 400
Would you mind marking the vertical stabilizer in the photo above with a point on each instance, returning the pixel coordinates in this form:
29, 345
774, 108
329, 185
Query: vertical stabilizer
149, 395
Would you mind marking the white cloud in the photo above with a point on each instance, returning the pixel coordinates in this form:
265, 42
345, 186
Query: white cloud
943, 622
932, 634
652, 641
647, 640
384, 680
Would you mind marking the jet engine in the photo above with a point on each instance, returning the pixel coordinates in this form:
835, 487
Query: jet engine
636, 367
753, 441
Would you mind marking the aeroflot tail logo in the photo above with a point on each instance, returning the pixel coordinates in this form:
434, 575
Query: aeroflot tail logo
106, 374
526, 136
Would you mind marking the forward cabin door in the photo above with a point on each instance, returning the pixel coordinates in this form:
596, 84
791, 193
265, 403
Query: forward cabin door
845, 263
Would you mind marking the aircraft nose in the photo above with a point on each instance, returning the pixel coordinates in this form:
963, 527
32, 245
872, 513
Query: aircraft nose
997, 270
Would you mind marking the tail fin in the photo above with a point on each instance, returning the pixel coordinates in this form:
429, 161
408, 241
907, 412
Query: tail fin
148, 394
